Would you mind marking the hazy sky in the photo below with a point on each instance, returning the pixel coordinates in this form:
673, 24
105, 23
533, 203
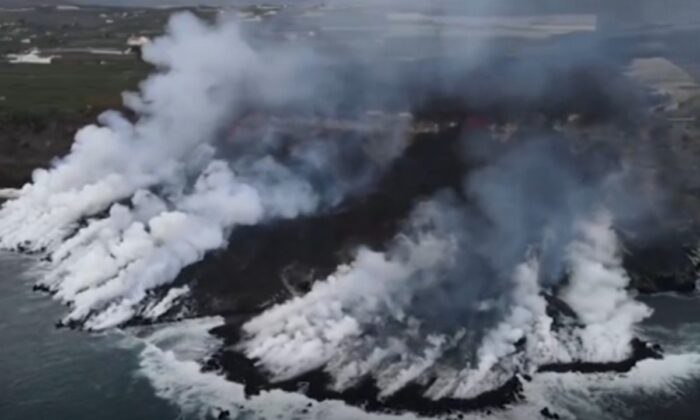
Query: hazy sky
660, 11
156, 2
134, 2
186, 2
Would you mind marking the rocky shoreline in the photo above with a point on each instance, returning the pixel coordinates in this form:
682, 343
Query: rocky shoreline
266, 264
316, 385
269, 263
251, 270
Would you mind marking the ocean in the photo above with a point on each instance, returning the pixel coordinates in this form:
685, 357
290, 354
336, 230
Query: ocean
50, 373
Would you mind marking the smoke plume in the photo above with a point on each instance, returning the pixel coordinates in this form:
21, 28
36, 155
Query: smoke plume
136, 201
459, 301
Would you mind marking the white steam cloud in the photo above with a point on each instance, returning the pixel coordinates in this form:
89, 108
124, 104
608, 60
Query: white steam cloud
367, 320
597, 292
135, 202
457, 302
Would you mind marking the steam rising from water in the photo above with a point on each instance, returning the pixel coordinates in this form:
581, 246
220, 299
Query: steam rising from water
170, 354
383, 316
458, 302
135, 202
598, 293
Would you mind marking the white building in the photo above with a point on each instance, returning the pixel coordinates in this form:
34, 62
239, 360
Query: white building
31, 57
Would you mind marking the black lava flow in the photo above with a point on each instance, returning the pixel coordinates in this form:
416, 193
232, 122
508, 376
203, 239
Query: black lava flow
249, 272
243, 279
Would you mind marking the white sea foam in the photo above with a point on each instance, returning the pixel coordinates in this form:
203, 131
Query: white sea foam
171, 356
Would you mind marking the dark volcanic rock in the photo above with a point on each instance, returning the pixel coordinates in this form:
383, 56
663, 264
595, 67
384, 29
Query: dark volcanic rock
411, 398
251, 272
241, 369
262, 263
315, 384
640, 351
561, 313
548, 414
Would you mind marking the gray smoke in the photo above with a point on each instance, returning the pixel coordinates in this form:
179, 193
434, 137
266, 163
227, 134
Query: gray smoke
221, 139
135, 202
456, 301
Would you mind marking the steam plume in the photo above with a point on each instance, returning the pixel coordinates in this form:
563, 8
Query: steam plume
457, 300
135, 202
